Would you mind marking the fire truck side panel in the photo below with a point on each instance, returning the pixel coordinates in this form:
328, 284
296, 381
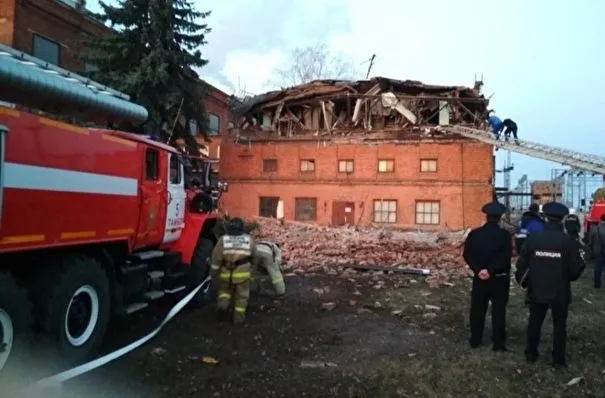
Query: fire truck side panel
66, 185
194, 224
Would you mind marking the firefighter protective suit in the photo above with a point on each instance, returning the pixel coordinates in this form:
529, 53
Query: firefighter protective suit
267, 260
231, 266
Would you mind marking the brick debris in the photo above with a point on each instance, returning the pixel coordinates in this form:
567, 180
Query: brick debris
312, 248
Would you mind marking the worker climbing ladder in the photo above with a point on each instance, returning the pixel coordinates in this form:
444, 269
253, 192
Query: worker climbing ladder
578, 160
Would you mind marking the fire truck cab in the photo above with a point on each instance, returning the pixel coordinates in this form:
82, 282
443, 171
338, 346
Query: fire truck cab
93, 222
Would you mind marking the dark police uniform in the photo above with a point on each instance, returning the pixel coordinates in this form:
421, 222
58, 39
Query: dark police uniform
572, 226
489, 247
549, 261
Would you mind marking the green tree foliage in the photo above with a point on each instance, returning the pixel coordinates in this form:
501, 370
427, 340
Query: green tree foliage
150, 56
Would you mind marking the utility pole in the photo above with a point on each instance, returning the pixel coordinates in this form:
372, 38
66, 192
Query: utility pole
508, 167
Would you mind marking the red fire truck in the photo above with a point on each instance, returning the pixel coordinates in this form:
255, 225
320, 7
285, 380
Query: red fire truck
593, 217
93, 222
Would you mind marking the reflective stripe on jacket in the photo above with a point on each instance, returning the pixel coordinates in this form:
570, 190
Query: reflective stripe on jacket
233, 252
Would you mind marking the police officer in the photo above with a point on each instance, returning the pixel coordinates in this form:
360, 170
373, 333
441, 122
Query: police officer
231, 262
530, 222
572, 226
549, 261
488, 251
268, 260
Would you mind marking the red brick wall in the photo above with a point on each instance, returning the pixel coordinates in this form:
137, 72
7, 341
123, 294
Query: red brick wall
543, 191
54, 21
217, 102
7, 17
65, 25
462, 183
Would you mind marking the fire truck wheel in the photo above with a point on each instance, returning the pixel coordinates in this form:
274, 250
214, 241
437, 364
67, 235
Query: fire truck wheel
199, 270
15, 325
72, 300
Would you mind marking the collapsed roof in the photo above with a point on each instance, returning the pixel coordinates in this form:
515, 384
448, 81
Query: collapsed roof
379, 104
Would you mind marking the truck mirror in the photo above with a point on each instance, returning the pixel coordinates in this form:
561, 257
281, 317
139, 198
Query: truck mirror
223, 186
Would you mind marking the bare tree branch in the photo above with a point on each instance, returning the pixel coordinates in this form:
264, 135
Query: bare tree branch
313, 63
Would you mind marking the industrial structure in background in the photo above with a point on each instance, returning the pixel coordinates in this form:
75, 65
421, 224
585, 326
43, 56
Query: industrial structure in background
505, 190
584, 170
521, 194
360, 152
51, 30
543, 192
577, 186
570, 186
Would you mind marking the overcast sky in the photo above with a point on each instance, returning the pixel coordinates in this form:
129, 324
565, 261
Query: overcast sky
544, 60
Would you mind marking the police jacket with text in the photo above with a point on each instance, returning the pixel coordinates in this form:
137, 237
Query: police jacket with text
488, 247
549, 261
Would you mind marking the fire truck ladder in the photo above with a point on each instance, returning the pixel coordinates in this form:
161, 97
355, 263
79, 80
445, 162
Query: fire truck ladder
583, 161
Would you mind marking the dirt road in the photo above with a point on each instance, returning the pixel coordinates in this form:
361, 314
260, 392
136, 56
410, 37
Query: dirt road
383, 337
289, 347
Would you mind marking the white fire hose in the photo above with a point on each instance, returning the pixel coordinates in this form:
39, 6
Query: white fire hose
54, 382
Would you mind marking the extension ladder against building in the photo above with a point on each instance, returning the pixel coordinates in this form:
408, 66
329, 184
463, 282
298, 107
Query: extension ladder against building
578, 160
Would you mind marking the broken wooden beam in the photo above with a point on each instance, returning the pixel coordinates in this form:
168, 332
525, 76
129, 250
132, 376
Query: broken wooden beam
277, 115
325, 116
397, 270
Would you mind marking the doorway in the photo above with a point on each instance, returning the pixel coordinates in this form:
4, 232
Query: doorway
343, 213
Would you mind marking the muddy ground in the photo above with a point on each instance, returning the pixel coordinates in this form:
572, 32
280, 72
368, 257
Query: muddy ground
385, 337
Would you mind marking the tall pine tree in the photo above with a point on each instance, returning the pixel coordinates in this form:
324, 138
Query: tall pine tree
150, 56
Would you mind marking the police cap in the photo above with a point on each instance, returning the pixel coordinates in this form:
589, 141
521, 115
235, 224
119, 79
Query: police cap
494, 209
534, 207
555, 210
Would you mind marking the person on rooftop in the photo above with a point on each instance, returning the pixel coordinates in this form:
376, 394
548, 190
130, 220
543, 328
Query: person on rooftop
509, 127
496, 125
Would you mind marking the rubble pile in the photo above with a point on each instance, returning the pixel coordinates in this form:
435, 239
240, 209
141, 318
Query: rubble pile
312, 248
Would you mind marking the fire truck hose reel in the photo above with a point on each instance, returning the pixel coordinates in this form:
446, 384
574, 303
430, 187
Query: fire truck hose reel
54, 382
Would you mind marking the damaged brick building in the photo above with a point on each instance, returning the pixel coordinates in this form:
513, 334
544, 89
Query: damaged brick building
363, 152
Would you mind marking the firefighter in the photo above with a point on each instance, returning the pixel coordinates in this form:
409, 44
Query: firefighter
549, 261
268, 260
530, 222
231, 263
488, 251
